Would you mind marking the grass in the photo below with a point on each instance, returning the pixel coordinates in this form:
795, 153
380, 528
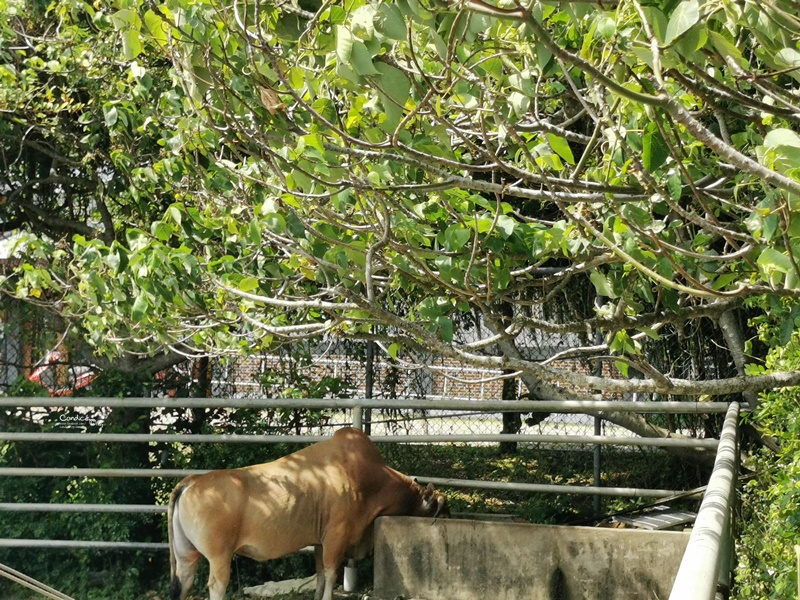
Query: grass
642, 468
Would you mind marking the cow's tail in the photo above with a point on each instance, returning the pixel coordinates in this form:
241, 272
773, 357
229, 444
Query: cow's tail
175, 582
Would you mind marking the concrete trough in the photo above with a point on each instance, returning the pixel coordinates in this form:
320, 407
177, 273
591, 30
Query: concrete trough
474, 560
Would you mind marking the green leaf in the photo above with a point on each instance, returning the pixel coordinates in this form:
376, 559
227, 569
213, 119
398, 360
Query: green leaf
162, 231
275, 222
344, 44
110, 115
606, 26
769, 226
455, 237
175, 211
326, 108
395, 90
789, 58
787, 330
657, 21
561, 147
774, 260
623, 343
389, 21
506, 225
727, 49
446, 328
519, 102
126, 19
157, 27
781, 137
248, 284
118, 258
781, 150
622, 367
131, 43
654, 149
337, 15
432, 308
602, 284
140, 308
675, 186
362, 21
361, 59
725, 279
683, 18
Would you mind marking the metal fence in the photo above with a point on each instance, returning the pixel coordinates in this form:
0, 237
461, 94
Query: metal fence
707, 557
345, 412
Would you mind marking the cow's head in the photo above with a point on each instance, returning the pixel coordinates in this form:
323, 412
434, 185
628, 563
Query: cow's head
434, 503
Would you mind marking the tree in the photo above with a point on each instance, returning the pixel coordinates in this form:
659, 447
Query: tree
404, 171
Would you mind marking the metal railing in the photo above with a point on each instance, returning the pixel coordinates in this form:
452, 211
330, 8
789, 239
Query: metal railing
706, 551
705, 570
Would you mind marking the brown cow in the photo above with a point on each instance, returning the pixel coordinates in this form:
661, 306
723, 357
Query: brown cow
327, 495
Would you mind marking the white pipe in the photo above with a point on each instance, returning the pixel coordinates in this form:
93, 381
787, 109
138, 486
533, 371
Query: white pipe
698, 574
223, 438
350, 580
96, 545
87, 544
94, 508
463, 483
549, 488
556, 406
32, 584
358, 417
89, 472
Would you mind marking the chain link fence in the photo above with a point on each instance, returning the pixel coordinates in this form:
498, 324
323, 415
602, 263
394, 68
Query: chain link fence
344, 365
34, 347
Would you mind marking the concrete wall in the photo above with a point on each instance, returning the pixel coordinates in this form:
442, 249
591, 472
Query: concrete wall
478, 560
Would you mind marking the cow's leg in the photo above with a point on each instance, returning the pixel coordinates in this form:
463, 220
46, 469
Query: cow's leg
332, 556
219, 574
320, 572
185, 569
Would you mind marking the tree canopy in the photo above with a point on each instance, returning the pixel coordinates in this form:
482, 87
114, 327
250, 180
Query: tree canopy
202, 177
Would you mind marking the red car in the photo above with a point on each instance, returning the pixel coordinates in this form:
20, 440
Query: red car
59, 378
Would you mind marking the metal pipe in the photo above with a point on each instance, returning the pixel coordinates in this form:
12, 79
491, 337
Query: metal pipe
87, 544
31, 583
597, 452
96, 545
223, 438
464, 483
369, 383
597, 466
549, 488
557, 406
698, 573
358, 417
88, 472
94, 508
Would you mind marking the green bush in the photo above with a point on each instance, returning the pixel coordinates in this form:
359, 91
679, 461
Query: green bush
770, 523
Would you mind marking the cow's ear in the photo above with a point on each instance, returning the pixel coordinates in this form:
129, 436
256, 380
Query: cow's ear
429, 492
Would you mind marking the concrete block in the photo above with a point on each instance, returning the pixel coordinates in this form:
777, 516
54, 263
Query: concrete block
473, 560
